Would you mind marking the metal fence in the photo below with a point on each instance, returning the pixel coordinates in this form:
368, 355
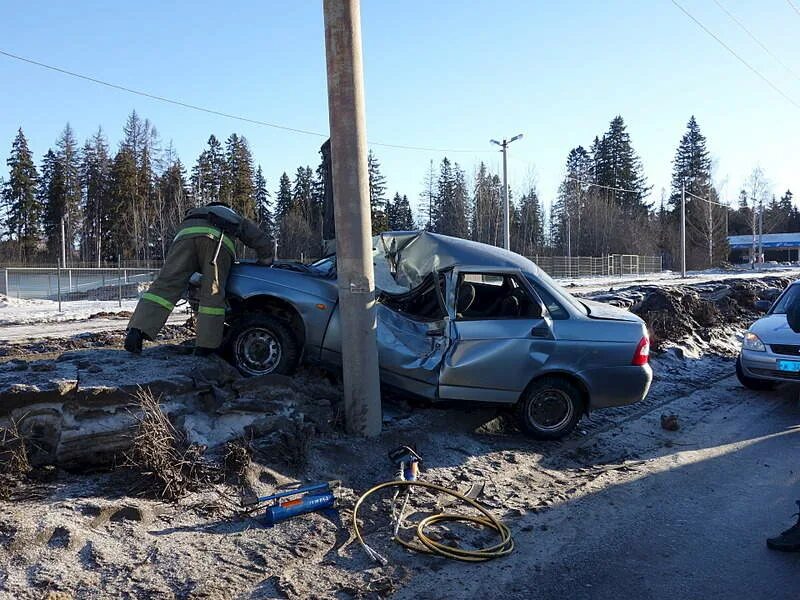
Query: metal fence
54, 283
116, 283
567, 267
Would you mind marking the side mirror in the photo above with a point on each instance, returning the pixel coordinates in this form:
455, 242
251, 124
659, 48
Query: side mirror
762, 305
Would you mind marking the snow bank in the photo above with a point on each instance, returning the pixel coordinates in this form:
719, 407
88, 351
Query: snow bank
15, 311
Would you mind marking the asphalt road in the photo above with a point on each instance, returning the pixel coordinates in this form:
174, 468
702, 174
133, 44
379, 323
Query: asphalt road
687, 521
693, 525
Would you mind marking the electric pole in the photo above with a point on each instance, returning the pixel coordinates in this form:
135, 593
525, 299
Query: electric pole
506, 212
683, 230
63, 245
356, 278
761, 231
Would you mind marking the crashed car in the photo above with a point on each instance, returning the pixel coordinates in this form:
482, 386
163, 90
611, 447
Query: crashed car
456, 321
770, 351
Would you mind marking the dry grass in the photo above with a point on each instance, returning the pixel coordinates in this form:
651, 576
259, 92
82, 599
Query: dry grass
293, 445
237, 457
170, 466
14, 463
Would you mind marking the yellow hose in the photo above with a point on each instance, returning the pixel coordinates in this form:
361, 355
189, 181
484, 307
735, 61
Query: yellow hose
503, 547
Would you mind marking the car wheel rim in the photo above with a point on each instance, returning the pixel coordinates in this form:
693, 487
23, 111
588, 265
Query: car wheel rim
550, 410
258, 351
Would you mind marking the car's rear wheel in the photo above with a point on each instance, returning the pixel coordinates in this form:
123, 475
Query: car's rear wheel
261, 345
752, 383
550, 408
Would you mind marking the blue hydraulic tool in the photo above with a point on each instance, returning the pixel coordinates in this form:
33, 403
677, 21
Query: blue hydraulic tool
296, 501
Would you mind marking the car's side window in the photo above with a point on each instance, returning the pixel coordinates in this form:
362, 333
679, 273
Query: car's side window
555, 309
481, 296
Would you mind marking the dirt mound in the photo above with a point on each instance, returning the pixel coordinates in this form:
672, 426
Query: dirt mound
694, 311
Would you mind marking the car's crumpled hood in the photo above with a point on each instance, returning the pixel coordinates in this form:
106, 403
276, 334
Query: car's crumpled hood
773, 329
599, 310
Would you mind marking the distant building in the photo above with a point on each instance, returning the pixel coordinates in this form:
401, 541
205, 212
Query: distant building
776, 246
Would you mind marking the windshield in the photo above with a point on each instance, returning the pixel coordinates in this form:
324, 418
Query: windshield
791, 296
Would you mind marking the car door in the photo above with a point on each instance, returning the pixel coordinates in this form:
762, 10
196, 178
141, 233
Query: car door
411, 347
494, 348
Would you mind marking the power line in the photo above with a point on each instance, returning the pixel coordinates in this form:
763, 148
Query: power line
756, 40
688, 193
212, 111
605, 187
794, 7
739, 58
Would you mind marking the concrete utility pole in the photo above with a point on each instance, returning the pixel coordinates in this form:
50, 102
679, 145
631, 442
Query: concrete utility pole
761, 231
683, 230
506, 212
362, 400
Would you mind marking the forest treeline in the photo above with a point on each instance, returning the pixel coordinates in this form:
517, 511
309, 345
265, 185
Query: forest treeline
129, 202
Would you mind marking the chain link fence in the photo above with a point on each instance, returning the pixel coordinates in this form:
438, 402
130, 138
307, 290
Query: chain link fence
70, 284
568, 267
117, 283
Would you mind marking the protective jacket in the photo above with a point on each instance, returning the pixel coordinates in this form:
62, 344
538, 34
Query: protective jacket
205, 244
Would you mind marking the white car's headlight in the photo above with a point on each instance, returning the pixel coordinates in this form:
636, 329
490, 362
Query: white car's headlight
752, 342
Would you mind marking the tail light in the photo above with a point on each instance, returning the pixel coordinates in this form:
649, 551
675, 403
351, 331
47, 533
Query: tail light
642, 354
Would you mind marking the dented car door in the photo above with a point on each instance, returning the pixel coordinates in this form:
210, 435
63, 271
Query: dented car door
500, 335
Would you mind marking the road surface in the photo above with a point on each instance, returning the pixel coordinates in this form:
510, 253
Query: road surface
688, 521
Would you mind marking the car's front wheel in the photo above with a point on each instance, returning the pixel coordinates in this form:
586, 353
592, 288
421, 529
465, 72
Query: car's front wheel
550, 408
262, 344
751, 383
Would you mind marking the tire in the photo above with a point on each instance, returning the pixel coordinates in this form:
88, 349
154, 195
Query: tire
261, 344
550, 408
752, 383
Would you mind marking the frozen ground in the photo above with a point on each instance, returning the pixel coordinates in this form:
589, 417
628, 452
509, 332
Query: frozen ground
22, 319
620, 507
15, 311
596, 284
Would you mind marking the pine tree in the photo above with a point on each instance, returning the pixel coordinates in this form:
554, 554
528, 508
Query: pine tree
529, 231
705, 222
50, 192
451, 212
487, 208
444, 198
95, 179
283, 199
19, 195
238, 188
574, 193
62, 194
123, 191
377, 194
209, 173
399, 215
262, 203
617, 165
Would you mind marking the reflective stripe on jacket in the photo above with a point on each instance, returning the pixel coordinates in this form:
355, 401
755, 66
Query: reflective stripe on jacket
201, 228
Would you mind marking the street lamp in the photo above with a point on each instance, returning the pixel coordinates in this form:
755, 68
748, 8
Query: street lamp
506, 218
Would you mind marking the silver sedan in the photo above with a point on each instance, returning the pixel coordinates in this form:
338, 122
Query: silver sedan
770, 349
456, 321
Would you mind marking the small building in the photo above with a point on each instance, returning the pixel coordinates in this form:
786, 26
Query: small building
777, 246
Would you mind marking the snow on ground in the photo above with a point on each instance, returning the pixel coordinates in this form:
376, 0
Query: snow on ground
597, 284
15, 311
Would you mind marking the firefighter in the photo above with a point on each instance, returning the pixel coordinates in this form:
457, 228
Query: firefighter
204, 243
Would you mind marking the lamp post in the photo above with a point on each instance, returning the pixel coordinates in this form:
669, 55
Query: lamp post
506, 213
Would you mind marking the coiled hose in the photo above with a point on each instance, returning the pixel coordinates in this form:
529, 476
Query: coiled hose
503, 547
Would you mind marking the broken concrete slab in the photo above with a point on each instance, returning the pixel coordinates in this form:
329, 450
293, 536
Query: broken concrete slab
35, 385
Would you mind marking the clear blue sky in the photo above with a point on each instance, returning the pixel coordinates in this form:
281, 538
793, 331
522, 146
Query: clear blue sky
449, 74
